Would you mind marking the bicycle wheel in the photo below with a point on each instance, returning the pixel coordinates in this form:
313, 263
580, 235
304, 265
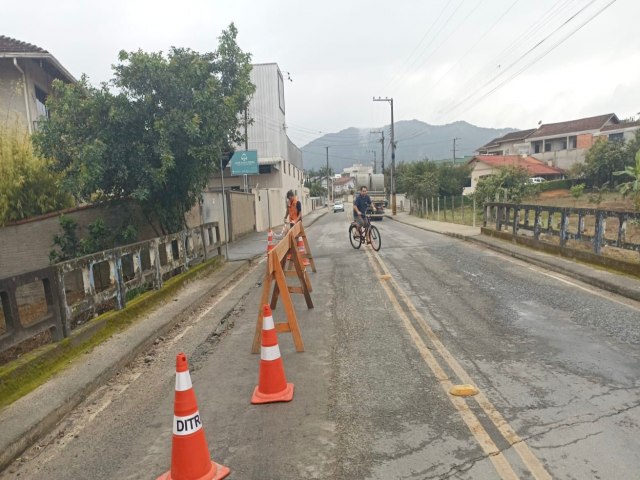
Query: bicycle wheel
354, 236
374, 238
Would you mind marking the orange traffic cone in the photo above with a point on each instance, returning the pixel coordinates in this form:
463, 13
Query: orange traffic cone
303, 252
189, 453
269, 241
272, 384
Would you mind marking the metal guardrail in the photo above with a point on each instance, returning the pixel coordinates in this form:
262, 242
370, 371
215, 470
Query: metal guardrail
566, 223
57, 298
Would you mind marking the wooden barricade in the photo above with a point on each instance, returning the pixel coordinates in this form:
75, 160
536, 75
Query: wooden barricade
278, 269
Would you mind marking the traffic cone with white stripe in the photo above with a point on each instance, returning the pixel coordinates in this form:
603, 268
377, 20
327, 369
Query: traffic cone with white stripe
272, 384
189, 453
303, 252
269, 241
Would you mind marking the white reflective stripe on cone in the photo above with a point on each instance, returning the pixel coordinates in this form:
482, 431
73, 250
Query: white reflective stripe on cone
183, 381
267, 323
270, 353
187, 425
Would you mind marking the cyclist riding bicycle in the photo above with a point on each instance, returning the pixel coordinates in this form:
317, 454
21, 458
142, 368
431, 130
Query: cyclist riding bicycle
360, 206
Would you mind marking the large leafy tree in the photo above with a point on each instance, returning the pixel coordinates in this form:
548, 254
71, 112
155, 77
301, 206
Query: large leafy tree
156, 132
511, 181
426, 179
27, 187
603, 159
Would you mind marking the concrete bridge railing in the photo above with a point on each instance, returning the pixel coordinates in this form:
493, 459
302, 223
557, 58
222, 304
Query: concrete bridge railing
57, 298
599, 228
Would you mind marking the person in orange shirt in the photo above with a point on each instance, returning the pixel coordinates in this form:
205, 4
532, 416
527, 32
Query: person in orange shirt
294, 209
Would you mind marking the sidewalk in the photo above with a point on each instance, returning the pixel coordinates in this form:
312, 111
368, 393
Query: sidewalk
254, 244
37, 413
624, 285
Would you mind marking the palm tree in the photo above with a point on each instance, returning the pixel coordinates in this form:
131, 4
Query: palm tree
632, 186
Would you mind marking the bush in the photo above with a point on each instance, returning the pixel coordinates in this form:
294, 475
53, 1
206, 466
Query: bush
27, 187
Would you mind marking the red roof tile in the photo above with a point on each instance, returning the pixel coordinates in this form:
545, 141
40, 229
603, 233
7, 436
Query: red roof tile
530, 164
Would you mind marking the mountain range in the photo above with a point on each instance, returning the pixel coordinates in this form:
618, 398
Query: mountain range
415, 141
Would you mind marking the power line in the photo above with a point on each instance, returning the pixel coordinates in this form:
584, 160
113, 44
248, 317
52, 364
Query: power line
521, 57
540, 56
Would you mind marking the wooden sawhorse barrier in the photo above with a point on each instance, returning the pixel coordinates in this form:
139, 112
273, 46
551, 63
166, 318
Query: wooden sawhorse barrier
278, 269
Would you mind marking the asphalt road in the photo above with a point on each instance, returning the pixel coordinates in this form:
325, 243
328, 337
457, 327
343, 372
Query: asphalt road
556, 363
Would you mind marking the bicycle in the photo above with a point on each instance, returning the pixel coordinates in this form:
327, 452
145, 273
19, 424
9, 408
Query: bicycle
371, 235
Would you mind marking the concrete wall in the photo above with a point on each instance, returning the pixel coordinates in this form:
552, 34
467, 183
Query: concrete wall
242, 214
12, 94
26, 244
12, 106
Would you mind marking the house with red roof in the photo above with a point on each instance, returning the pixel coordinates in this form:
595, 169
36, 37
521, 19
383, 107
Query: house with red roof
26, 75
562, 144
484, 165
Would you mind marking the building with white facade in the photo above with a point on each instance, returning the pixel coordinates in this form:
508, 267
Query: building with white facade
279, 160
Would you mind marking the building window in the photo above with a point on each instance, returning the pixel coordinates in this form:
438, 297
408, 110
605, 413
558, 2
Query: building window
537, 147
547, 146
573, 142
41, 101
616, 137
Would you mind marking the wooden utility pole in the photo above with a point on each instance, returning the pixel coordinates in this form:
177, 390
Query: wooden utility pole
393, 155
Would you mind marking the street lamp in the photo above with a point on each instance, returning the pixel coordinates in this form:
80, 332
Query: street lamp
393, 155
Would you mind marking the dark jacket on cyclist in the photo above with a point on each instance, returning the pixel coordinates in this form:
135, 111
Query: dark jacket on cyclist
360, 204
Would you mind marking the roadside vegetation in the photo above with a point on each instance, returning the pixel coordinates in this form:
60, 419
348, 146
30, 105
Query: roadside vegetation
155, 133
28, 186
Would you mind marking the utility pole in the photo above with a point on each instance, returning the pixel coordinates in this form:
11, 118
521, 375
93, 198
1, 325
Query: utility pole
381, 132
327, 175
245, 179
374, 159
454, 149
393, 155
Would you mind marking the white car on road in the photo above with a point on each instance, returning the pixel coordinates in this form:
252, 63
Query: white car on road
338, 207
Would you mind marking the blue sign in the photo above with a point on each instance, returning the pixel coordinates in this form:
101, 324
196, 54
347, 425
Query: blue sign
244, 163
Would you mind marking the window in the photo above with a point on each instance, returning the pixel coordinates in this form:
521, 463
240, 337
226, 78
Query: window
537, 146
41, 100
573, 142
616, 137
547, 146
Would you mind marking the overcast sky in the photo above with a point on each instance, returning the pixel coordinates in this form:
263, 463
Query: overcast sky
438, 59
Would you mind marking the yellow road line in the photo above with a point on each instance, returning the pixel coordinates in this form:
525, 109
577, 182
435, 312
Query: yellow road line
530, 460
492, 451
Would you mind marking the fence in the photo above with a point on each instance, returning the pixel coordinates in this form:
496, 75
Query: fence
454, 209
598, 227
57, 298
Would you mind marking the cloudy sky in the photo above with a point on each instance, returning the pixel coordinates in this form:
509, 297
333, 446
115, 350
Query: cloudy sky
493, 63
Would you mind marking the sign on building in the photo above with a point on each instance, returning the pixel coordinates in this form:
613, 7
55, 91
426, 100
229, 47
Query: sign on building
244, 163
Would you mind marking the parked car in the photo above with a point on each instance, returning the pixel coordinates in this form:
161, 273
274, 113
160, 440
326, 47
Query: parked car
536, 180
338, 207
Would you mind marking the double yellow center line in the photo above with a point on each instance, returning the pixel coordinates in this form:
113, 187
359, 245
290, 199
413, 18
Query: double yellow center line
500, 462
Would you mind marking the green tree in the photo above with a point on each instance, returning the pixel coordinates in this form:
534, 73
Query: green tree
27, 187
452, 178
156, 132
510, 180
633, 186
604, 158
317, 190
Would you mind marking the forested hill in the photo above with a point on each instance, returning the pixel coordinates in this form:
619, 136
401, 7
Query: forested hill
415, 140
